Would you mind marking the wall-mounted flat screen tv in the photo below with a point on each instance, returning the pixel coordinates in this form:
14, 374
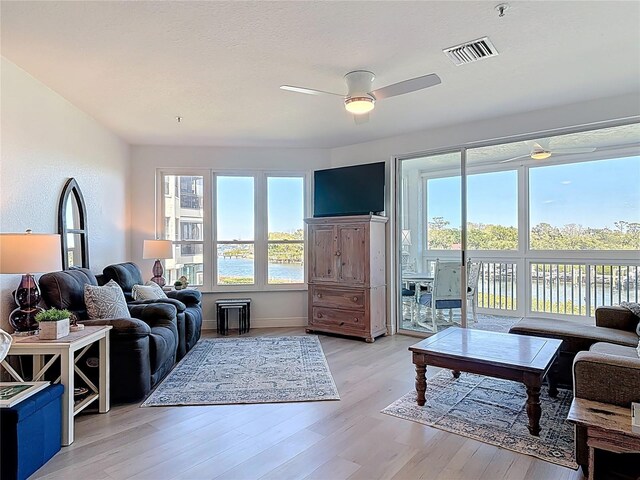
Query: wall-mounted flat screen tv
357, 190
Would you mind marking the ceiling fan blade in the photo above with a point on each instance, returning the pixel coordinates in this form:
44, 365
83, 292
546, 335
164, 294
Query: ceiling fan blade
308, 91
360, 119
407, 86
515, 158
565, 151
540, 144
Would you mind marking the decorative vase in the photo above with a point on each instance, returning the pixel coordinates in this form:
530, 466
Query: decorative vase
54, 330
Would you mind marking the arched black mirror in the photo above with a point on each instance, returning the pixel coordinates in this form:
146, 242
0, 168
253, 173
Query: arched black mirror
72, 226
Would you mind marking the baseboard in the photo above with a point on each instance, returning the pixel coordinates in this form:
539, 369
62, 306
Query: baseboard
263, 323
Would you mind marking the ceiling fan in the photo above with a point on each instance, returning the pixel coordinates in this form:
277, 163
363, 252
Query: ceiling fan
540, 150
360, 99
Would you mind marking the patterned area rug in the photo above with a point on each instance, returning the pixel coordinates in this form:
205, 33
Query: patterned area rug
248, 370
493, 411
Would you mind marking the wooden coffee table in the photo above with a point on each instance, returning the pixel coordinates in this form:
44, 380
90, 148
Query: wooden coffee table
520, 358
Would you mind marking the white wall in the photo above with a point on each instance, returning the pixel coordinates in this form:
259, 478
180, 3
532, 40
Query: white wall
268, 309
46, 140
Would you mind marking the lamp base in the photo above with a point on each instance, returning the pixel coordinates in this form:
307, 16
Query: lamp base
27, 297
158, 271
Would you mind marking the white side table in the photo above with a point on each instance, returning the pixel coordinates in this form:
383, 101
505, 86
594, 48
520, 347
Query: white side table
65, 348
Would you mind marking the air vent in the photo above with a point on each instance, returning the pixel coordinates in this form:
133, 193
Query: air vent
471, 51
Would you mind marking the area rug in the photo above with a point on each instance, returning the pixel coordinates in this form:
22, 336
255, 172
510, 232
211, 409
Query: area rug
493, 411
224, 371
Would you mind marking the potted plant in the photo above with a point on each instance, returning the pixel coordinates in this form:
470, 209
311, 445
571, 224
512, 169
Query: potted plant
53, 323
181, 283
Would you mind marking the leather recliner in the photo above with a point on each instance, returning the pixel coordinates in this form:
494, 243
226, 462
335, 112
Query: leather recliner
187, 303
142, 348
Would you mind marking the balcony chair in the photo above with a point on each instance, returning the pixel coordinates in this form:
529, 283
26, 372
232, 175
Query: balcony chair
409, 303
187, 303
446, 293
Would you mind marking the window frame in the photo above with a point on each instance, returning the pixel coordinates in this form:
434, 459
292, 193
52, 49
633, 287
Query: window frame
161, 215
305, 214
261, 225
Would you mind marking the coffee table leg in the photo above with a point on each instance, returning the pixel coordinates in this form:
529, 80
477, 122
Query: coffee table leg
534, 411
455, 373
421, 383
553, 386
552, 380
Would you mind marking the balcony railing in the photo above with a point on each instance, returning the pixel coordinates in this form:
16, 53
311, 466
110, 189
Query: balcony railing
578, 289
553, 287
191, 201
497, 285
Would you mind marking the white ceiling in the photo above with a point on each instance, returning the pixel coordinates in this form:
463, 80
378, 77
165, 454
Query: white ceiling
134, 66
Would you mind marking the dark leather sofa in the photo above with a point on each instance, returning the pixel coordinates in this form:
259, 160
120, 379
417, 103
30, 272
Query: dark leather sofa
142, 348
187, 303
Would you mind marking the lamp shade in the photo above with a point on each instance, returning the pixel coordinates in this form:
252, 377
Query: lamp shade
157, 249
30, 252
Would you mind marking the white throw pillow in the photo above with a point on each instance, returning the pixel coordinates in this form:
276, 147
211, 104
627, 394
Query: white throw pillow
105, 302
149, 291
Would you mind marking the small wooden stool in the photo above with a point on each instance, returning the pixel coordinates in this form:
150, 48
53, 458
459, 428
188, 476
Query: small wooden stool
243, 305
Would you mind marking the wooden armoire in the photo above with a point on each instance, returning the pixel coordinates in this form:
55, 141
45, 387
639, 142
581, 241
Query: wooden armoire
347, 280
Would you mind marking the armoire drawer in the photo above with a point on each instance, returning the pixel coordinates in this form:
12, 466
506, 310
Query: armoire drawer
338, 297
340, 319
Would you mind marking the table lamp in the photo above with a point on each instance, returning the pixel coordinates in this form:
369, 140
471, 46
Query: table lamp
28, 253
158, 249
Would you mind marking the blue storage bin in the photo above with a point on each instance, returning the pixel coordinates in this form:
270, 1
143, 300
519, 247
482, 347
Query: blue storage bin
31, 433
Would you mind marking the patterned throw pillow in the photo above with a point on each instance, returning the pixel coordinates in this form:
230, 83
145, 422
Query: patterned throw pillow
105, 302
149, 291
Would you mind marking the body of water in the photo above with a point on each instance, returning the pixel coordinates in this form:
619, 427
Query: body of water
244, 267
576, 293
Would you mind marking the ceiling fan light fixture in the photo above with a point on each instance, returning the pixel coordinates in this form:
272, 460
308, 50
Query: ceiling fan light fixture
359, 105
540, 154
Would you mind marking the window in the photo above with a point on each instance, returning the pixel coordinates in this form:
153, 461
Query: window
191, 193
492, 211
285, 200
236, 231
183, 219
235, 218
443, 213
191, 230
585, 205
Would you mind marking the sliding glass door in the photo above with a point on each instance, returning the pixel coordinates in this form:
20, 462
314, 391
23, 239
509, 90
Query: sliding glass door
431, 237
545, 227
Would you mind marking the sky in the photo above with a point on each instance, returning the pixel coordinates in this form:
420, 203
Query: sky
593, 194
236, 206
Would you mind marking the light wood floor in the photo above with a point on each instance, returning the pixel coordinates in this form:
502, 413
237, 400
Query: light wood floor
314, 440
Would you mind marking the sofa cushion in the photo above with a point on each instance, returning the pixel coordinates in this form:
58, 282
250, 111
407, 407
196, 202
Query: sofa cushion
149, 291
124, 274
612, 349
568, 330
65, 290
105, 302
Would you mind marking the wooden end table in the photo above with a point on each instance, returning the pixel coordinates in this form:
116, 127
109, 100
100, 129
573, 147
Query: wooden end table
65, 349
608, 428
520, 358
